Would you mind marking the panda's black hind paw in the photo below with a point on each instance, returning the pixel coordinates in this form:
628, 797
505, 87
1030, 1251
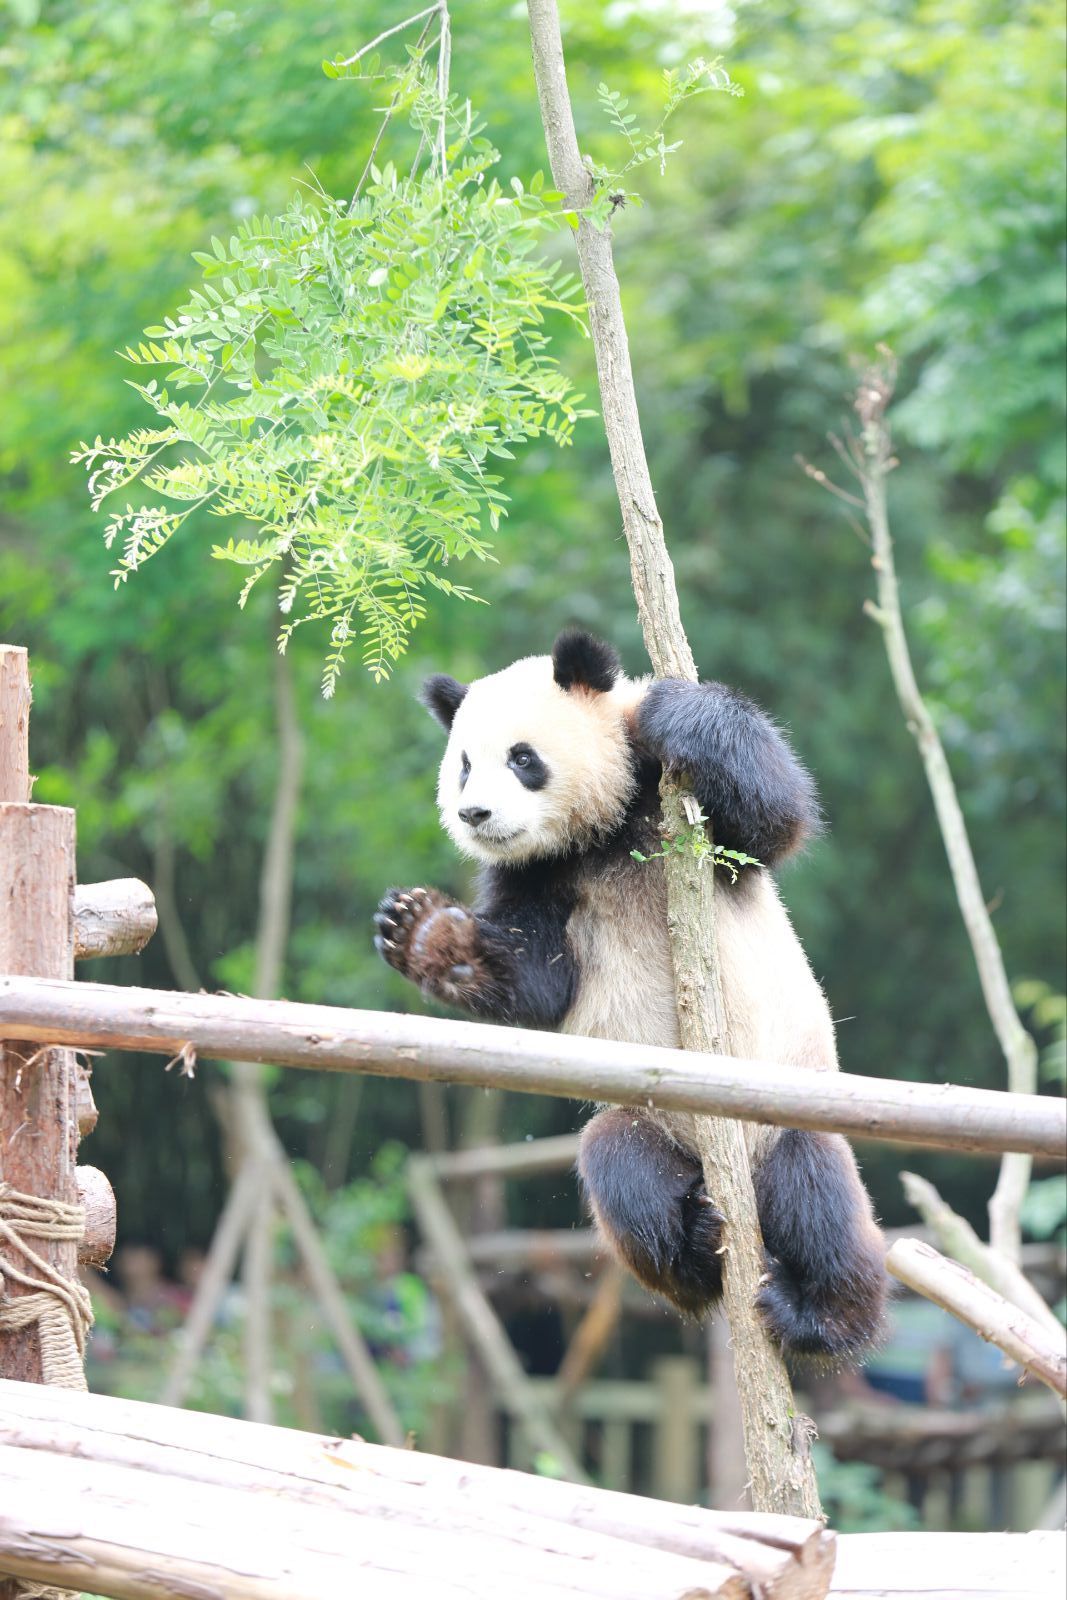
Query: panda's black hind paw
648, 1197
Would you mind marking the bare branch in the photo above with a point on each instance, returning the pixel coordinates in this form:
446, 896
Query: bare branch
408, 22
956, 1289
1020, 1053
955, 1235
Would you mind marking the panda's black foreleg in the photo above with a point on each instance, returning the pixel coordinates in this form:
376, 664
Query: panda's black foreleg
826, 1291
518, 970
750, 785
647, 1196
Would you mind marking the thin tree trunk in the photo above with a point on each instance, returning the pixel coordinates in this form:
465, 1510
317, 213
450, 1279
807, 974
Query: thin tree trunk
873, 459
776, 1442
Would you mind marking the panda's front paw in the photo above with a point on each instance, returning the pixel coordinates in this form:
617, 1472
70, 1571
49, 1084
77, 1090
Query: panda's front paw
398, 915
430, 940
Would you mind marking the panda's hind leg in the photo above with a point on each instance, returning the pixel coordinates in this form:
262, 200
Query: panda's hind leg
647, 1195
825, 1293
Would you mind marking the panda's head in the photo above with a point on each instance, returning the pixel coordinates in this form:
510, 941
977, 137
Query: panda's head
539, 759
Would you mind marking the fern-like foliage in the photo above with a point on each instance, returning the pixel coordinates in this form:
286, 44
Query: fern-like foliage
343, 380
641, 148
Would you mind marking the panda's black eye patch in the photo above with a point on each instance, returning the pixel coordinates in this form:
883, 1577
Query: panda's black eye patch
464, 768
527, 766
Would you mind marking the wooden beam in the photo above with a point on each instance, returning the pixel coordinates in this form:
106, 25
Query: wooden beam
524, 1160
388, 1044
116, 918
131, 1500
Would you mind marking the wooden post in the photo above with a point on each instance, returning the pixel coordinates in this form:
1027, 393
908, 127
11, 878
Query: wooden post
15, 779
38, 1087
676, 1449
38, 1113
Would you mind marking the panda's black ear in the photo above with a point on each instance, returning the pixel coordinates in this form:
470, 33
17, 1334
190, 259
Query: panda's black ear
442, 696
582, 661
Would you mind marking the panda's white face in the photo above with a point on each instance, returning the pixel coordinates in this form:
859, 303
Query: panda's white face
532, 769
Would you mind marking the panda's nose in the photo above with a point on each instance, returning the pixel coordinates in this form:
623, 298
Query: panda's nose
474, 816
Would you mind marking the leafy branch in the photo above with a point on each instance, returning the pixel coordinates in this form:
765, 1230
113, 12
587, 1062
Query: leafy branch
345, 377
693, 840
680, 84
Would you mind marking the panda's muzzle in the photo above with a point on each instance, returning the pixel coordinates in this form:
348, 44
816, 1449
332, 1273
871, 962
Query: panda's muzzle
474, 816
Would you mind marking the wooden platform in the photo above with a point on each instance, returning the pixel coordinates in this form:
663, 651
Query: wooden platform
950, 1566
144, 1502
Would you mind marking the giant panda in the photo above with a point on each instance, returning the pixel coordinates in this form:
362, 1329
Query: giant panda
550, 780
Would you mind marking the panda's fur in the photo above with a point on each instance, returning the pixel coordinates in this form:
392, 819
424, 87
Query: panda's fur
550, 779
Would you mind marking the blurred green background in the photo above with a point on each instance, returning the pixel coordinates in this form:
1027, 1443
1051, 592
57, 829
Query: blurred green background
893, 173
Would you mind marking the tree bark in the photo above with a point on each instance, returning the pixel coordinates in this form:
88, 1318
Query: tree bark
777, 1453
38, 1109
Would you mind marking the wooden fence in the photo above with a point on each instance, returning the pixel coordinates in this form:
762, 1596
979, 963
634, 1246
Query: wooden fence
89, 1499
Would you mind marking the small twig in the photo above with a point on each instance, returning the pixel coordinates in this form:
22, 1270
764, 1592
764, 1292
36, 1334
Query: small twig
185, 1060
399, 27
444, 61
974, 1303
818, 476
394, 102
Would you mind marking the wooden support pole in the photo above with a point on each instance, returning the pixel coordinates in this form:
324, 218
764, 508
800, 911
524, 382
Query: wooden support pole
480, 1321
116, 918
15, 781
38, 1114
388, 1044
956, 1289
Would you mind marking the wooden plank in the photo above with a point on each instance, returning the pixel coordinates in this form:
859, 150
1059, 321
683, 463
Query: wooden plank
390, 1044
949, 1566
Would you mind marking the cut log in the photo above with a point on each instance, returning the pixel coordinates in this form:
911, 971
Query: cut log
116, 918
98, 1199
132, 1500
388, 1044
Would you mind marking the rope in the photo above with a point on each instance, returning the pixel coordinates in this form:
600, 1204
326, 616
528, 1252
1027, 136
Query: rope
60, 1307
